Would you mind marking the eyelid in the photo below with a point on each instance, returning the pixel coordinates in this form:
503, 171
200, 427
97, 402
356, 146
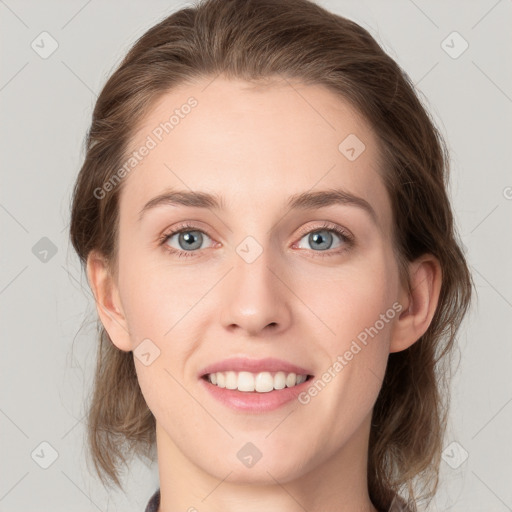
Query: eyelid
184, 226
329, 226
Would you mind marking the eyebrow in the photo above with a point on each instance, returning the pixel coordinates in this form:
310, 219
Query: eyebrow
301, 201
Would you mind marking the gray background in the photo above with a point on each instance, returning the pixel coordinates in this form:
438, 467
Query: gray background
47, 360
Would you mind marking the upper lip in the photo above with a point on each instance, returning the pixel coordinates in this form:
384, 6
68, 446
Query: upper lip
239, 364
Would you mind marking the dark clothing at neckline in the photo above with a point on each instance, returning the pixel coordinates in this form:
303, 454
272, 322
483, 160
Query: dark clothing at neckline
398, 504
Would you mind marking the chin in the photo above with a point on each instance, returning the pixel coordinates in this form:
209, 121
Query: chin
250, 465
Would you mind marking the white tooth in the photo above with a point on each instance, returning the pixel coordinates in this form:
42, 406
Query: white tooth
279, 380
264, 382
221, 380
245, 381
231, 380
291, 379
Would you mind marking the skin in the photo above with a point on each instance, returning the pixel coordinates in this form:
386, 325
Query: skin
256, 146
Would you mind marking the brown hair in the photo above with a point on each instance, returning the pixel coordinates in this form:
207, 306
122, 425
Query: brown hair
260, 40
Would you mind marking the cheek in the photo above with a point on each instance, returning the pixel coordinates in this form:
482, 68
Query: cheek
350, 300
362, 317
155, 295
359, 311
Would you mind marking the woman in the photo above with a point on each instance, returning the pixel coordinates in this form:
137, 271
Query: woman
263, 217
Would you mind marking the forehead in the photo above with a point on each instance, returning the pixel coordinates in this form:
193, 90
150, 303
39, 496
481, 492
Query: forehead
254, 145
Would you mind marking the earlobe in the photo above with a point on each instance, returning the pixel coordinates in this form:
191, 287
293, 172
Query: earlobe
419, 303
108, 304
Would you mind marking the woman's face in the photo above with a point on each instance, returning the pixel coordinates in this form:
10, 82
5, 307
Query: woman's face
262, 275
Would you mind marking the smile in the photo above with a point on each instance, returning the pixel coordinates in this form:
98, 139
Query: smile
262, 382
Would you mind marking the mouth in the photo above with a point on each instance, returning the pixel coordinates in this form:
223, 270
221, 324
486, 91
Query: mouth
261, 382
254, 385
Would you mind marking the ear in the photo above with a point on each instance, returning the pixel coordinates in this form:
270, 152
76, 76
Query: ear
108, 302
419, 303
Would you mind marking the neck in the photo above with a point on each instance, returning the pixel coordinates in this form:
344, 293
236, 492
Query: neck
332, 484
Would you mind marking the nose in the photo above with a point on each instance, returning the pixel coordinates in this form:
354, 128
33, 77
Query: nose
256, 297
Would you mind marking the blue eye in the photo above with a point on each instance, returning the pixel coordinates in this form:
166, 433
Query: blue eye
321, 238
190, 239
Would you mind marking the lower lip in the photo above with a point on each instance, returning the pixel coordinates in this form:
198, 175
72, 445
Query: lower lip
254, 401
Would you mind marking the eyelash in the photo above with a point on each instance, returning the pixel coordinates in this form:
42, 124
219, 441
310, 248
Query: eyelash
345, 236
